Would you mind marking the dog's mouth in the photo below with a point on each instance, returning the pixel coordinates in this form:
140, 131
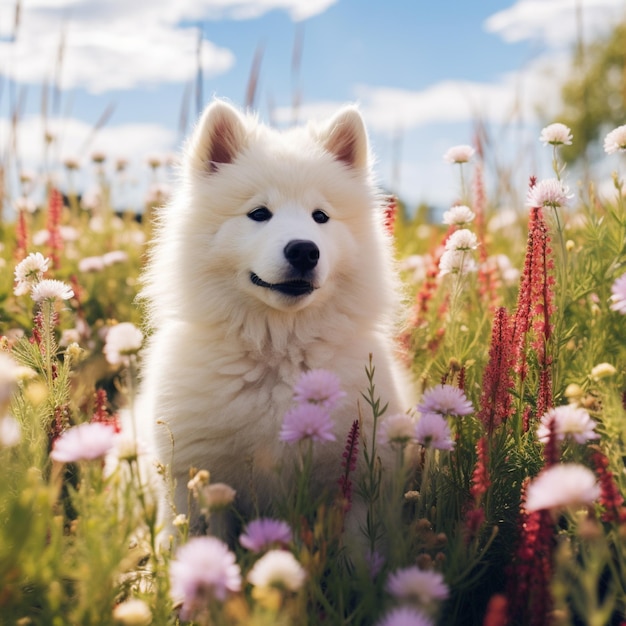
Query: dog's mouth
294, 288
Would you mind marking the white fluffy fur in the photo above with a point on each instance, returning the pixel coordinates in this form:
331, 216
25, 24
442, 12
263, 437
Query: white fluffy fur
220, 365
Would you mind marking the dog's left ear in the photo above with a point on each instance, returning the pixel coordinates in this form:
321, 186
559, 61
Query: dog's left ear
345, 137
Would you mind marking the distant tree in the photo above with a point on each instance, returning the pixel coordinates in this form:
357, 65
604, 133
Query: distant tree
594, 97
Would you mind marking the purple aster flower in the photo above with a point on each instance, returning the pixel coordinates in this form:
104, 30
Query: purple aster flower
84, 442
265, 532
445, 400
318, 387
307, 421
204, 570
413, 583
618, 289
404, 616
432, 431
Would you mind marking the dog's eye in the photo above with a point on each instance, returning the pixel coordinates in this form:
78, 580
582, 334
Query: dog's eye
320, 217
260, 214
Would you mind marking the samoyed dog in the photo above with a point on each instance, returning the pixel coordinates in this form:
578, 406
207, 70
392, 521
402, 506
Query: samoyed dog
271, 260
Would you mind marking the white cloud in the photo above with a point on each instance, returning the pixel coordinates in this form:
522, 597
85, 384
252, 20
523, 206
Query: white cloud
122, 44
555, 22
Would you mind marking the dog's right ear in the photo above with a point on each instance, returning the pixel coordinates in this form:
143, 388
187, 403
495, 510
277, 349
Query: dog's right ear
219, 137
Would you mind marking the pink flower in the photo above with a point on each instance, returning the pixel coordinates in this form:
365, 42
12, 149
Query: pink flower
459, 154
404, 616
84, 442
445, 400
618, 289
307, 421
556, 134
561, 486
318, 387
548, 193
398, 428
204, 570
569, 421
264, 532
413, 583
615, 141
432, 431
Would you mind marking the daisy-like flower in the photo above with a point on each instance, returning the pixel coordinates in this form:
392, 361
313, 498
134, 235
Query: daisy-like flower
615, 141
404, 616
458, 215
550, 192
264, 532
422, 586
51, 290
133, 612
432, 431
203, 570
463, 239
216, 496
562, 486
398, 428
459, 154
456, 262
307, 421
122, 340
445, 400
29, 272
10, 432
113, 257
91, 264
319, 387
602, 370
556, 134
618, 297
84, 442
277, 568
9, 375
569, 421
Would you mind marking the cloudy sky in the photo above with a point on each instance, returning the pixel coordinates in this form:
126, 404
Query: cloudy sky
127, 77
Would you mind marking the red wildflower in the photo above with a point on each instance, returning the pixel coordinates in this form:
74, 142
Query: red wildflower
348, 462
101, 413
496, 614
496, 398
611, 499
55, 209
480, 477
21, 234
390, 214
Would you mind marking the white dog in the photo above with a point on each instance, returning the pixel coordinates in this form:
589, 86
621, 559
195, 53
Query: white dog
271, 260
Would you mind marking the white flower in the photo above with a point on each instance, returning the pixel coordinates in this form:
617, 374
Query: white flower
133, 612
91, 264
456, 262
398, 428
556, 135
459, 154
115, 256
462, 239
277, 568
562, 486
548, 193
10, 432
9, 375
615, 141
51, 290
458, 215
122, 340
569, 421
602, 370
29, 272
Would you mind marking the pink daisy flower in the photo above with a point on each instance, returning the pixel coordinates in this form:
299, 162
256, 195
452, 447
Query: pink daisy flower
445, 400
570, 421
615, 141
556, 134
318, 387
413, 583
264, 532
432, 431
84, 442
618, 289
459, 154
204, 570
398, 428
550, 193
307, 421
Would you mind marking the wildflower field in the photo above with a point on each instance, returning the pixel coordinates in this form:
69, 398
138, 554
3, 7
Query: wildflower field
506, 505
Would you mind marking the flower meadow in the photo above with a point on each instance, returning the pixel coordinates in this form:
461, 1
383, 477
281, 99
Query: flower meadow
505, 505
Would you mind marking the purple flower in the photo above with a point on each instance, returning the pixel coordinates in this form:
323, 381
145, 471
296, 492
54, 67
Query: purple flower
404, 616
432, 431
318, 387
445, 400
204, 570
375, 561
413, 583
265, 532
84, 442
307, 421
618, 289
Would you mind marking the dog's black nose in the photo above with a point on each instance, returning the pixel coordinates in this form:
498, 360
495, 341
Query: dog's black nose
302, 254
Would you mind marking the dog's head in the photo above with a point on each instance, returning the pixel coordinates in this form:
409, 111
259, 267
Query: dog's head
274, 219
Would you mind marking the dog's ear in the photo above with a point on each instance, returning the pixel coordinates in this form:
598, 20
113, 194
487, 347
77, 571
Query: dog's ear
220, 136
345, 137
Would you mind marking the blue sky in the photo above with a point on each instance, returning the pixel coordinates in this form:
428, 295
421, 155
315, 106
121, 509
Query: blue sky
421, 71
